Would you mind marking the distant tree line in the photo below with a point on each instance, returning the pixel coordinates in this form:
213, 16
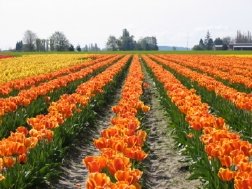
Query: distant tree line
126, 42
91, 47
209, 44
59, 42
243, 37
56, 42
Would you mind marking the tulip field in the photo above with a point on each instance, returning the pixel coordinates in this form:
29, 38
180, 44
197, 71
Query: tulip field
127, 121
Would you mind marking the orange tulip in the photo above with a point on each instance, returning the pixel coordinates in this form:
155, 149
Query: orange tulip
95, 163
243, 180
23, 130
124, 133
19, 148
101, 143
139, 135
226, 174
226, 161
118, 163
135, 153
240, 159
31, 142
130, 177
8, 161
98, 181
122, 185
14, 148
219, 142
111, 132
245, 167
22, 158
145, 108
117, 144
109, 153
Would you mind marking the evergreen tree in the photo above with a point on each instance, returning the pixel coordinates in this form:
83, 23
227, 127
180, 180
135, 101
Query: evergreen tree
71, 48
19, 46
218, 41
202, 45
210, 44
208, 41
78, 48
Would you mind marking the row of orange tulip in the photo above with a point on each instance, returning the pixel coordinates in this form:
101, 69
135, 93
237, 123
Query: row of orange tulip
26, 82
238, 78
240, 99
15, 148
237, 65
233, 153
26, 97
121, 143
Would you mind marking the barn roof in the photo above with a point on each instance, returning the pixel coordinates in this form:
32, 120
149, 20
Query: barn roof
242, 44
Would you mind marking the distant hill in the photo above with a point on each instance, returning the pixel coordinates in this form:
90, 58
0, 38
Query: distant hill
170, 48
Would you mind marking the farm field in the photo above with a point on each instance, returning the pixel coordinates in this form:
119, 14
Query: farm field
126, 120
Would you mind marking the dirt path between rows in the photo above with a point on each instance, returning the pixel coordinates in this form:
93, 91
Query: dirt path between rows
164, 166
74, 173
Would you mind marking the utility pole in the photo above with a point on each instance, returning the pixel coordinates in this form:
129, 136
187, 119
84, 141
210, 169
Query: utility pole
187, 38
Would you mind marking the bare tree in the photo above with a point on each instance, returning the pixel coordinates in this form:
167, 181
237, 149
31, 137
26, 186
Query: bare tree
243, 37
112, 43
29, 40
59, 42
47, 44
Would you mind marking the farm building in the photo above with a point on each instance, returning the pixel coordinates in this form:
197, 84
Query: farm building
218, 47
240, 46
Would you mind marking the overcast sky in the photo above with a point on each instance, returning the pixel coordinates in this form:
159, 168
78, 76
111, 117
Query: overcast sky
173, 22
